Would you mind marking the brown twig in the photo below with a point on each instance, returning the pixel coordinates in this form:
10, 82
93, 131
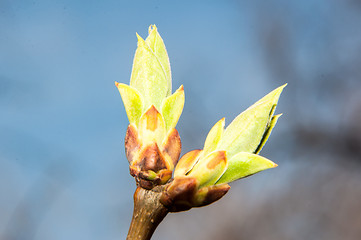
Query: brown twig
148, 213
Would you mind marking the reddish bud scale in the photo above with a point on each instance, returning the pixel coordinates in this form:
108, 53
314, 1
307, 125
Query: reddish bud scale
151, 164
132, 143
183, 194
179, 194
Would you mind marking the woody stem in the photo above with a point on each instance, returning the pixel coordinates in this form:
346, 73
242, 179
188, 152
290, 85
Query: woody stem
147, 214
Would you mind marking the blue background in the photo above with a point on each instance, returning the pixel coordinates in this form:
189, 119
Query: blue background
63, 172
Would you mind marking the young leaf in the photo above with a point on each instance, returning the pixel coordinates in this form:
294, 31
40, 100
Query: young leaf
151, 127
186, 163
155, 42
213, 137
267, 133
244, 164
172, 108
132, 102
210, 168
246, 130
148, 76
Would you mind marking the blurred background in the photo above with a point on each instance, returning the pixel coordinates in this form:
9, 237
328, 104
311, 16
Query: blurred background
63, 172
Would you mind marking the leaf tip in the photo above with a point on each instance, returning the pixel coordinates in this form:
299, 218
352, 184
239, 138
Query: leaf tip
140, 40
280, 88
223, 121
152, 110
116, 83
151, 28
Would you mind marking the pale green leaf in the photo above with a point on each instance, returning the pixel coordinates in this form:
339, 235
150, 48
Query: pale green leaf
186, 163
151, 127
132, 102
210, 168
245, 132
267, 133
148, 76
213, 137
155, 42
244, 164
172, 108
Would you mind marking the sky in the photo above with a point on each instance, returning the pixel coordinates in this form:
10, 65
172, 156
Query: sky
63, 172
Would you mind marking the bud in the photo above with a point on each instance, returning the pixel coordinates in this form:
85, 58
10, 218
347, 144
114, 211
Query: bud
202, 176
196, 187
152, 143
151, 74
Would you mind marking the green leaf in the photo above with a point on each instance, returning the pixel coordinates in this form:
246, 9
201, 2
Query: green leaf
267, 133
209, 169
148, 76
132, 102
151, 127
155, 42
245, 132
172, 108
244, 164
186, 163
213, 137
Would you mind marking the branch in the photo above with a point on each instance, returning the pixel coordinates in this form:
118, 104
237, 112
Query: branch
148, 213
